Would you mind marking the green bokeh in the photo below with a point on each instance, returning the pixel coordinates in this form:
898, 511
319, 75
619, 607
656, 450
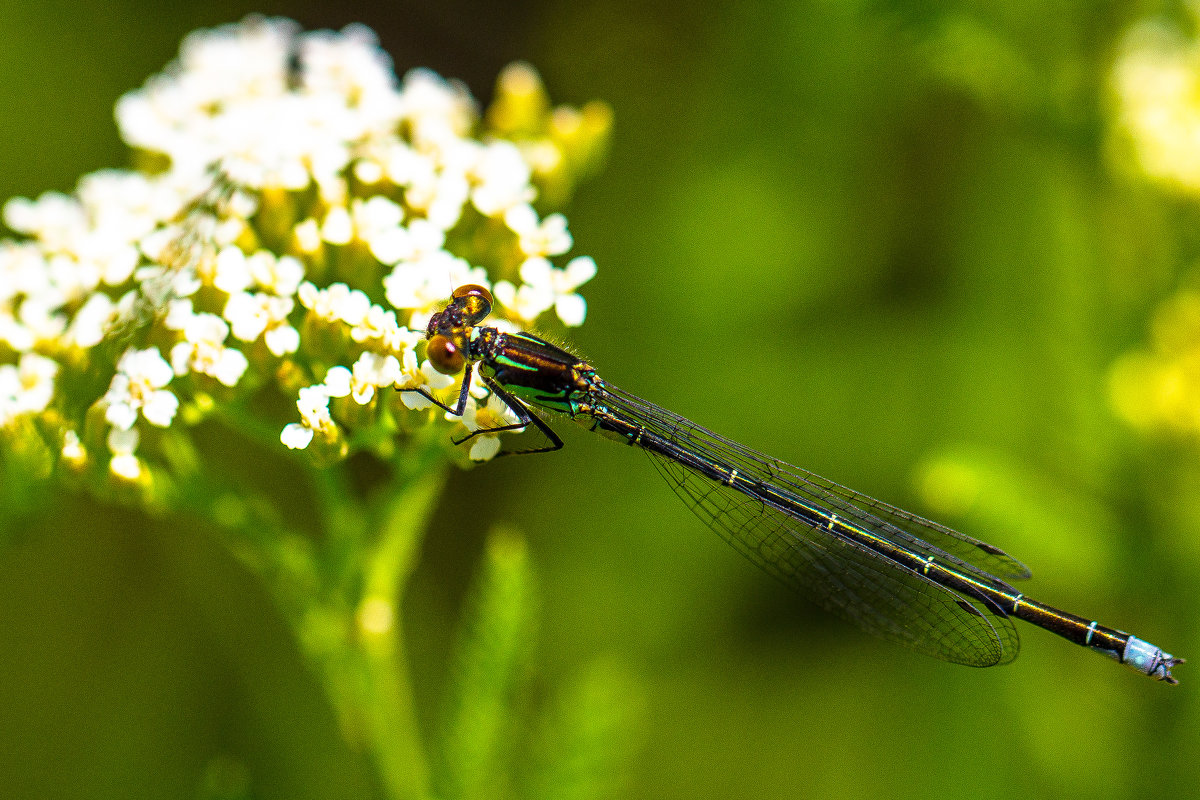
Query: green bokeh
877, 240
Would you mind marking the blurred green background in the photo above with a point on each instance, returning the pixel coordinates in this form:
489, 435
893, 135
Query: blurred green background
883, 241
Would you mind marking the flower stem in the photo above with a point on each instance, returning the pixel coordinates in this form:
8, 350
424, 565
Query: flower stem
387, 700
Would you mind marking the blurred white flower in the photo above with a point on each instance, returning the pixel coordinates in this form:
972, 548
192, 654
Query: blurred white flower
259, 314
546, 286
313, 404
27, 387
72, 447
380, 328
549, 237
337, 303
375, 217
203, 348
338, 227
418, 240
372, 371
91, 321
428, 280
502, 180
122, 443
137, 388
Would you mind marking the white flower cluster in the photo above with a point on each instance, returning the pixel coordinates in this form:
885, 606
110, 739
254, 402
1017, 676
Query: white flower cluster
309, 198
26, 387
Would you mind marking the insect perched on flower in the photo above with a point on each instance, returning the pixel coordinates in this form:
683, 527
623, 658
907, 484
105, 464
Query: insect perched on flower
304, 216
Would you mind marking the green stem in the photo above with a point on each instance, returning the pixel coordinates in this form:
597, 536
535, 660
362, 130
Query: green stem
373, 547
387, 699
343, 600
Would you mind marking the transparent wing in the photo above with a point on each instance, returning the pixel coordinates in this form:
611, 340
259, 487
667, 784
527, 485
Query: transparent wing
876, 593
877, 516
923, 536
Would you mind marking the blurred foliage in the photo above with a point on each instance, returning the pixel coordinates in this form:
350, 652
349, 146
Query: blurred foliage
908, 245
487, 747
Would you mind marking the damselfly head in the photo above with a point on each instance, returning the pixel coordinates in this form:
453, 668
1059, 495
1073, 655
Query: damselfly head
449, 330
469, 305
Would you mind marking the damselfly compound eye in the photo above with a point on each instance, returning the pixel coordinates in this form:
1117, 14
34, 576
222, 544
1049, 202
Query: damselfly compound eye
471, 290
446, 356
474, 301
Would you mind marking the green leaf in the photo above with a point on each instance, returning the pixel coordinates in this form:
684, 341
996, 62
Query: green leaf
588, 734
487, 672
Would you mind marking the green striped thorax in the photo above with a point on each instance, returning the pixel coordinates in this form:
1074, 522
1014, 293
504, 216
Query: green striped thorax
531, 368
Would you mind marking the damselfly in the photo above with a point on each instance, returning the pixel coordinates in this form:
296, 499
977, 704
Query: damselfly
892, 573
